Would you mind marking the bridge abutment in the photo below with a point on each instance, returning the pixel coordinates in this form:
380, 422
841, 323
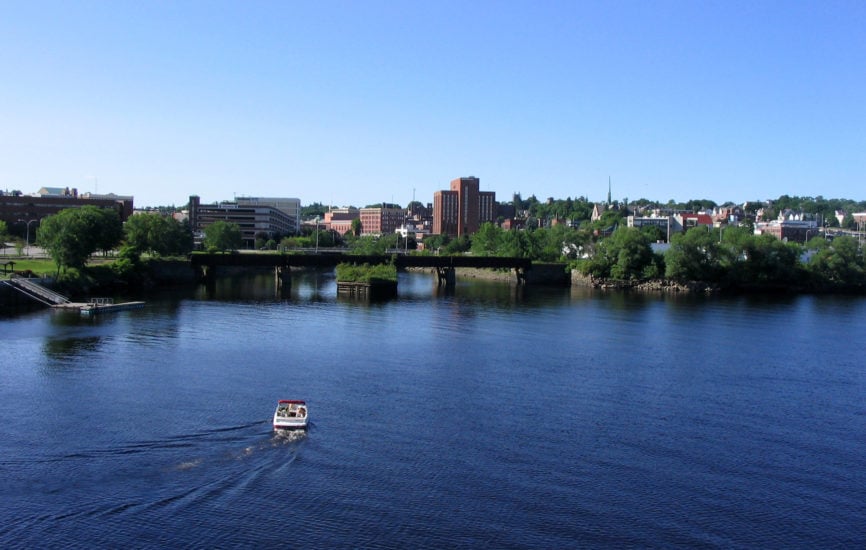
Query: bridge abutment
282, 277
446, 276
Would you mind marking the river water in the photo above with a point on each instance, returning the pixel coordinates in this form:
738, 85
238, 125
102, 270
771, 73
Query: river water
486, 416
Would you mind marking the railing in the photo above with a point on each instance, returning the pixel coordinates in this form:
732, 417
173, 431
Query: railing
37, 292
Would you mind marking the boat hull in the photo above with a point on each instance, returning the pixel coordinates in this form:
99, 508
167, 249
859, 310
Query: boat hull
291, 415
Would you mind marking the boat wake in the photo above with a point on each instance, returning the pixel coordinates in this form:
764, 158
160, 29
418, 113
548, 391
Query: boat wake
283, 437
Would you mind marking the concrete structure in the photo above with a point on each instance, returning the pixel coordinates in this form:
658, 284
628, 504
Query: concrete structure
254, 220
290, 207
463, 208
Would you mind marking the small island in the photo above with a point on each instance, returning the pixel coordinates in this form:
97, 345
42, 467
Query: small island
367, 281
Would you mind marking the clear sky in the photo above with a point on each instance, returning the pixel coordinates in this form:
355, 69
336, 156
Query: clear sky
360, 102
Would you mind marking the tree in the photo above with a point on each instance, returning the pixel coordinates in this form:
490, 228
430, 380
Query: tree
626, 254
653, 233
356, 227
694, 256
4, 233
105, 226
517, 244
839, 263
487, 240
67, 237
157, 234
458, 246
223, 236
774, 261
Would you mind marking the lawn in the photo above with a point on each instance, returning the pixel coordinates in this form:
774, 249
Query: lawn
39, 266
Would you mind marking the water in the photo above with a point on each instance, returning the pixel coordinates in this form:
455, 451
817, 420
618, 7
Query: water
486, 417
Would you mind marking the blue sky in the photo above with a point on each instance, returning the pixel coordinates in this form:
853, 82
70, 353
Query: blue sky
363, 102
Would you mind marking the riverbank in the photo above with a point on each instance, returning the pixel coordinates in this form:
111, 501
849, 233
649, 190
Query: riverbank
540, 274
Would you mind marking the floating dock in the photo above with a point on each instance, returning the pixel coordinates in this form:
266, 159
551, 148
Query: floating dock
99, 305
34, 290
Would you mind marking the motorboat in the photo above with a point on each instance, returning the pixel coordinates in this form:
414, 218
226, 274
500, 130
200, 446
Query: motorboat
291, 414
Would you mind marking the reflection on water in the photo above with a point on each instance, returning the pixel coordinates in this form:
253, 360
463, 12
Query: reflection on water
483, 415
67, 348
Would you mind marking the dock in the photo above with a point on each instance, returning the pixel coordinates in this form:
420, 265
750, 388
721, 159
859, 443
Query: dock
39, 293
99, 305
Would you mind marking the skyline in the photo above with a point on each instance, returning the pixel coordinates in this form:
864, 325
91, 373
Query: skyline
360, 103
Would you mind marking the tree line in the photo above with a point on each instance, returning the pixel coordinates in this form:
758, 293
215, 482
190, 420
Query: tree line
733, 258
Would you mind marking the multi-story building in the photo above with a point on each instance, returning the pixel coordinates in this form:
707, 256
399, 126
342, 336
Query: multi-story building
20, 212
790, 226
662, 222
445, 212
788, 230
340, 220
687, 220
381, 220
291, 207
462, 209
255, 220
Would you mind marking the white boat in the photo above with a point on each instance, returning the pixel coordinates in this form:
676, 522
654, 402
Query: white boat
291, 414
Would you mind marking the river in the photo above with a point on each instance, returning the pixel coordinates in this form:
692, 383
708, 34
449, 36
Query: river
483, 416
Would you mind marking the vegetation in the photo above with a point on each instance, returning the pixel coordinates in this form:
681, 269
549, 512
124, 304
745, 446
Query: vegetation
557, 230
222, 236
625, 255
365, 273
158, 235
313, 210
71, 236
38, 266
823, 210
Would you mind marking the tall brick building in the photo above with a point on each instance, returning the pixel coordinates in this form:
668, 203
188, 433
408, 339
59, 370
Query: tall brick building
462, 209
381, 221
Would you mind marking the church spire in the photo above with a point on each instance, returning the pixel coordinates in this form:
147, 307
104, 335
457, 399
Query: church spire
608, 190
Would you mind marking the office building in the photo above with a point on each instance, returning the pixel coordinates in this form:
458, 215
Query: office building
462, 209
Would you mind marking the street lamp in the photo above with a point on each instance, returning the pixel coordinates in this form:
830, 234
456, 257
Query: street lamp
27, 237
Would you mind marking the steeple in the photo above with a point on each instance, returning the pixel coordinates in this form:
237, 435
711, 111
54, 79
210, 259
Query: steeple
608, 190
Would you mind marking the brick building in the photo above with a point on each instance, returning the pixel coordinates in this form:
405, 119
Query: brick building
381, 221
462, 209
17, 210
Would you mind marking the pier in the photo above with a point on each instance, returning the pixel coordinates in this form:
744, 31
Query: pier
54, 300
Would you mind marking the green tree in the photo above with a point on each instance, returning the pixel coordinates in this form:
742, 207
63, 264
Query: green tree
517, 244
761, 260
223, 236
694, 256
557, 243
458, 246
68, 238
840, 262
4, 233
105, 226
356, 227
157, 234
626, 254
372, 244
653, 233
487, 241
